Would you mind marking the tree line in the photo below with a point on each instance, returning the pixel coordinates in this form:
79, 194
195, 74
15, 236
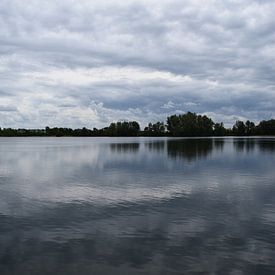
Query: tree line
178, 125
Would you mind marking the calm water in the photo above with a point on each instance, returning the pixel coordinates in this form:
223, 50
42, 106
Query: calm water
137, 206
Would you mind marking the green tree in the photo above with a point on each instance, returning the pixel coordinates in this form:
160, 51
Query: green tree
239, 128
190, 124
266, 127
123, 128
250, 128
156, 129
219, 129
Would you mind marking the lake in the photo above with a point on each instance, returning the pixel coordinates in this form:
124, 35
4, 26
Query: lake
137, 205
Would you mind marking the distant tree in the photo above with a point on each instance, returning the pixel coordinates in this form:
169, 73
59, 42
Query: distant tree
123, 128
205, 125
250, 128
190, 124
156, 129
47, 129
266, 127
239, 128
219, 129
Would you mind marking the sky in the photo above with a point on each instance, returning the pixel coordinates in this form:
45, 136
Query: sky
88, 63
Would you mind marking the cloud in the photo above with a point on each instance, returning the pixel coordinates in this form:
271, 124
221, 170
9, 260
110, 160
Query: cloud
86, 64
7, 109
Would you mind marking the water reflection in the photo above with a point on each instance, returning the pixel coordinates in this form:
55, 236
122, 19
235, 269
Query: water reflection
219, 144
191, 149
266, 145
245, 144
252, 144
95, 206
125, 147
158, 145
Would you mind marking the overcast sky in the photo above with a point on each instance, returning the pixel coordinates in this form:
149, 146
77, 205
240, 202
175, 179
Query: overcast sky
88, 63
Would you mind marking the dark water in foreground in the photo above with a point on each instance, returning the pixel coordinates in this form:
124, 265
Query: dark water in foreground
137, 206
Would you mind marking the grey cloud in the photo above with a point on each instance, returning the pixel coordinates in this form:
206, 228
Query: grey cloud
226, 48
4, 94
7, 109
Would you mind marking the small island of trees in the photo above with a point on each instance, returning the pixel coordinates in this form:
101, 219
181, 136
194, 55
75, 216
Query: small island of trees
178, 125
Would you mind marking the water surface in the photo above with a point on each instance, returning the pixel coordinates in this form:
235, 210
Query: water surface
137, 206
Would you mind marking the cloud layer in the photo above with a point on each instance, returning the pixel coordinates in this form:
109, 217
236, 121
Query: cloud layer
82, 63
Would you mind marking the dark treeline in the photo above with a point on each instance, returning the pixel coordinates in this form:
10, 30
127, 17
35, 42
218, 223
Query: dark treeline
183, 125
